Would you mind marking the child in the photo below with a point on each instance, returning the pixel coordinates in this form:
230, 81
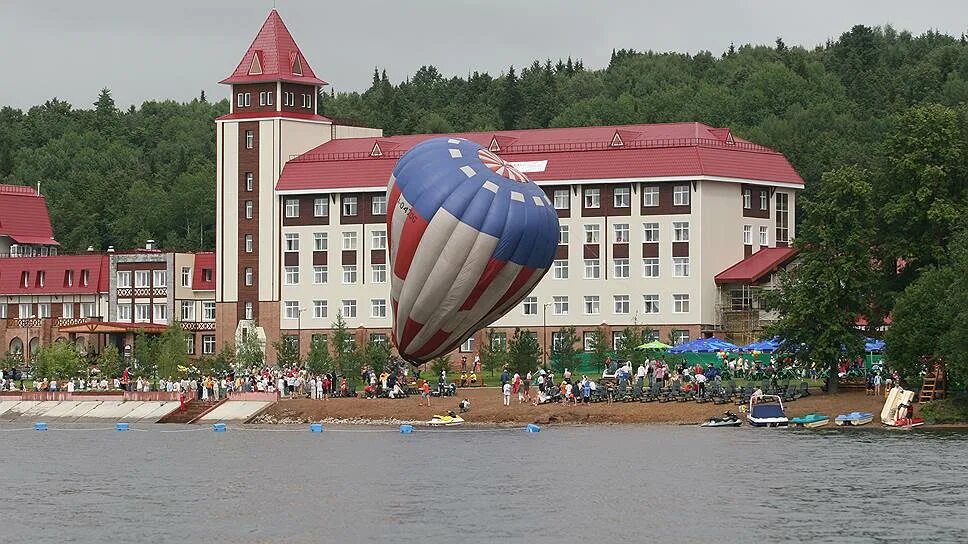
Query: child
507, 394
877, 384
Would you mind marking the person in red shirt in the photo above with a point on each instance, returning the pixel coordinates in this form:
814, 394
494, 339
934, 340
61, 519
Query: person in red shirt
425, 393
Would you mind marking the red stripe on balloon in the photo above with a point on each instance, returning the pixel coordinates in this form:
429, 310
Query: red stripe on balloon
409, 331
519, 282
490, 272
410, 236
435, 342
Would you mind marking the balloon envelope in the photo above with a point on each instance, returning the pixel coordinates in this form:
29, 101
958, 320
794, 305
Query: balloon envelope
470, 236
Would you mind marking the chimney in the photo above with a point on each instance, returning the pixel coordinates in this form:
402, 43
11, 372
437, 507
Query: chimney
150, 245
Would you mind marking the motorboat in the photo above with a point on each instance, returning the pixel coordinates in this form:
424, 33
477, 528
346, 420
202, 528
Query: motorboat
810, 421
766, 411
449, 420
855, 419
728, 419
898, 410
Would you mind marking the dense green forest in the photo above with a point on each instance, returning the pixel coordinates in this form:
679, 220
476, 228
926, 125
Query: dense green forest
118, 177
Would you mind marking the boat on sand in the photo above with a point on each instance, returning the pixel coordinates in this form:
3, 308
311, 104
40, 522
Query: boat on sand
810, 421
854, 419
766, 411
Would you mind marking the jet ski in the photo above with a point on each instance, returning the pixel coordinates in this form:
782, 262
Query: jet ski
449, 420
728, 419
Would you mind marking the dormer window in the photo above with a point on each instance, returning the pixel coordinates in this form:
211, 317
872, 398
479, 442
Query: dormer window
207, 274
40, 278
376, 151
296, 66
25, 279
85, 277
255, 67
494, 147
68, 278
617, 140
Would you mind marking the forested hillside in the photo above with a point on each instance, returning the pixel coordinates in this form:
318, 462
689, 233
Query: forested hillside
117, 177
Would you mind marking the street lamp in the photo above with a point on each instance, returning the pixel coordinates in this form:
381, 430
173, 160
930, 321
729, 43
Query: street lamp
299, 332
544, 334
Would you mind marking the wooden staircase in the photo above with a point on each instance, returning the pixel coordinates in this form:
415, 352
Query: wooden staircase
932, 388
194, 410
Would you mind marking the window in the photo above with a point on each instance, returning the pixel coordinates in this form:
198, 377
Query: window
320, 274
190, 344
142, 313
186, 276
617, 338
249, 137
592, 234
292, 207
650, 304
320, 309
740, 299
379, 239
141, 278
621, 268
349, 308
249, 245
680, 231
40, 278
559, 305
559, 269
379, 206
292, 275
680, 337
591, 304
563, 235
249, 179
69, 278
621, 304
530, 306
248, 99
650, 232
26, 310
321, 207
349, 241
764, 236
349, 206
680, 195
680, 304
680, 267
782, 218
207, 274
248, 209
208, 311
262, 98
208, 344
3, 311
622, 197
269, 98
378, 307
747, 199
499, 340
292, 241
650, 267
320, 241
748, 235
67, 310
349, 273
292, 309
161, 313
288, 98
588, 341
248, 311
379, 273
161, 278
248, 276
467, 346
124, 312
592, 269
240, 100
188, 310
650, 196
621, 233
593, 198
124, 279
85, 276
764, 200
562, 199
43, 309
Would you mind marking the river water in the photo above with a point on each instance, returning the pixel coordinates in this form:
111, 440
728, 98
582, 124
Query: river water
615, 484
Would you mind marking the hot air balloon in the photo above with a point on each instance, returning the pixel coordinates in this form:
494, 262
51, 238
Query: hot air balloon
470, 236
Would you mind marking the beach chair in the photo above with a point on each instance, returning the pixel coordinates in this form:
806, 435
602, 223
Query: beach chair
743, 397
726, 393
672, 393
789, 394
803, 390
652, 394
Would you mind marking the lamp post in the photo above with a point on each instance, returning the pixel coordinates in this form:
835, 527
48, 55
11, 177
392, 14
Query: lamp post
299, 332
544, 334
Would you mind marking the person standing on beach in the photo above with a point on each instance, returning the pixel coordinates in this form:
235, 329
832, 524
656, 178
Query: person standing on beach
506, 388
425, 393
526, 387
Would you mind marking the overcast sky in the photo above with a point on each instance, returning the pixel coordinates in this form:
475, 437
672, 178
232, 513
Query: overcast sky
175, 48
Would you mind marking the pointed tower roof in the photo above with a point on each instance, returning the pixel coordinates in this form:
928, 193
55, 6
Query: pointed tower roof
273, 56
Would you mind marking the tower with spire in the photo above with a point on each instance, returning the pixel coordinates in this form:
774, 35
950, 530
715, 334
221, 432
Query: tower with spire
273, 118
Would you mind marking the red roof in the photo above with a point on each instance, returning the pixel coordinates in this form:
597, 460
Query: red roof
756, 266
24, 217
279, 58
55, 275
270, 114
679, 150
203, 261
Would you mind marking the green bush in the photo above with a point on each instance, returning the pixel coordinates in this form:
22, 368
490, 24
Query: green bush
953, 409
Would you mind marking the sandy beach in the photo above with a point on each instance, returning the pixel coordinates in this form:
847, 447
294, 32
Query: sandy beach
487, 409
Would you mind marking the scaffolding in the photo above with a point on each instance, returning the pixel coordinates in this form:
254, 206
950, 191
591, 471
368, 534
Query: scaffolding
741, 317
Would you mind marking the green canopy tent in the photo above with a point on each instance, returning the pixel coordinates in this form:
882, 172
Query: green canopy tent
654, 345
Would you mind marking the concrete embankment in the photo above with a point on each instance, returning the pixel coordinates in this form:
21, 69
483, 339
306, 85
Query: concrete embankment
132, 411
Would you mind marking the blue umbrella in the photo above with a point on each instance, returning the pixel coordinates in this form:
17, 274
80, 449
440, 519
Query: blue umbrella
704, 345
872, 344
766, 346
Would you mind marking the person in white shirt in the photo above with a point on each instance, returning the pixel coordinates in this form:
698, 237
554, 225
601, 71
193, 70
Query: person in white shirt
507, 394
70, 386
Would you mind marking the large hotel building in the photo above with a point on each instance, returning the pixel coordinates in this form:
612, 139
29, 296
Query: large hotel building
674, 227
